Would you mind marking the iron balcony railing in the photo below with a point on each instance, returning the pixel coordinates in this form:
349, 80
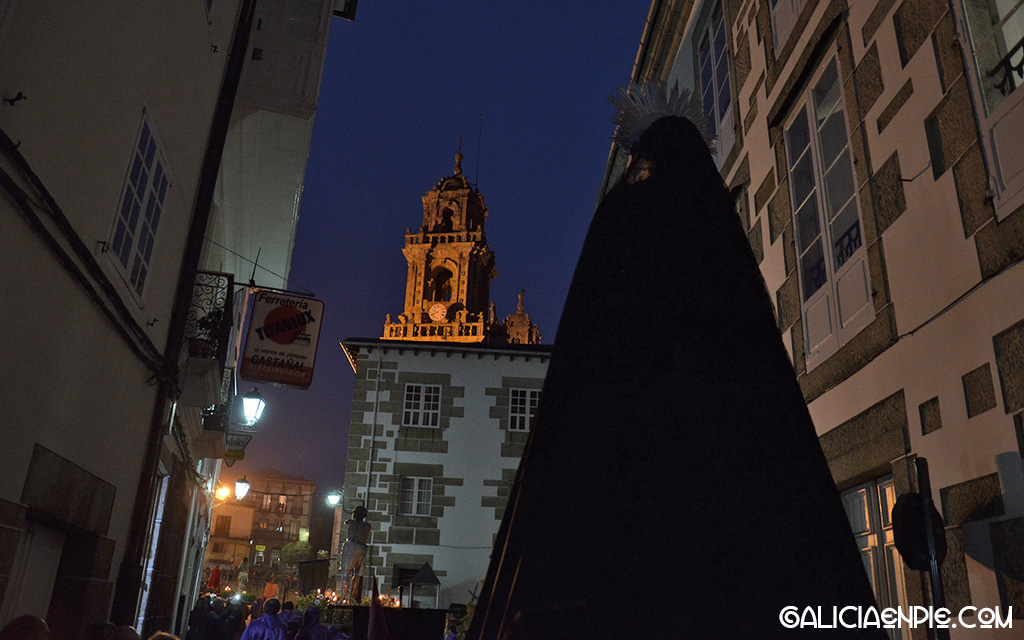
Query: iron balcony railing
208, 325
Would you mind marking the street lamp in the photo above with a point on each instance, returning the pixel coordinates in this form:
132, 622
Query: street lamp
241, 488
333, 498
252, 406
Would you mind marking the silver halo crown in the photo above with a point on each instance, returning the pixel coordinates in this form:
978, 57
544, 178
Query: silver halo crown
638, 106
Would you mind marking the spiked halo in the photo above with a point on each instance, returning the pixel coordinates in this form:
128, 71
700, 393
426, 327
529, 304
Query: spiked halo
638, 106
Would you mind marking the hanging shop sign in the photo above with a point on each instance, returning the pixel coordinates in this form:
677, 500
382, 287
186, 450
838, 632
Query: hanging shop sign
237, 441
280, 346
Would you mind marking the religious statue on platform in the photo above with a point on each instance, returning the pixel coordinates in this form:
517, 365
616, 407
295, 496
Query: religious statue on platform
353, 555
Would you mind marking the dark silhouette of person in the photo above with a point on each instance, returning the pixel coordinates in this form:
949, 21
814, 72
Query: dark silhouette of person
353, 554
26, 627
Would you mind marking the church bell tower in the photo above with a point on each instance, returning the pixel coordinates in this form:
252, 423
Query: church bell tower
447, 292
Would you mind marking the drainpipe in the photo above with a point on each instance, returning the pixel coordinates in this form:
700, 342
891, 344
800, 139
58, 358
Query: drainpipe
129, 579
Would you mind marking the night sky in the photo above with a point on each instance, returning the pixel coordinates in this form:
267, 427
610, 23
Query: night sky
401, 84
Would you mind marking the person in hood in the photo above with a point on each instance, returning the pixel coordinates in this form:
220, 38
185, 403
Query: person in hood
311, 628
268, 627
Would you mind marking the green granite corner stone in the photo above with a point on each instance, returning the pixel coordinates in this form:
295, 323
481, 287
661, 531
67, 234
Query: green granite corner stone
764, 191
971, 180
972, 500
868, 441
1009, 349
955, 583
780, 212
431, 537
979, 392
931, 416
914, 21
867, 82
1001, 243
754, 237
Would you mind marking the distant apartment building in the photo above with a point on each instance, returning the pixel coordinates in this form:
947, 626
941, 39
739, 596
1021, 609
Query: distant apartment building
281, 506
135, 138
442, 409
874, 152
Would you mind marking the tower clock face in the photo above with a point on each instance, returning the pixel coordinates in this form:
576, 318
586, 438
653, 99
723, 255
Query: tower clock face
438, 312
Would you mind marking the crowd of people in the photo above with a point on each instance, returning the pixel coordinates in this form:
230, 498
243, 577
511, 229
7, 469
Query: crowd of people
211, 619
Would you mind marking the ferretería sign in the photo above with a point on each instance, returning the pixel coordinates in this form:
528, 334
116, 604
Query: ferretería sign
280, 346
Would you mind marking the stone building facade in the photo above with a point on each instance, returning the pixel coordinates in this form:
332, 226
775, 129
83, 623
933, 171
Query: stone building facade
873, 149
436, 434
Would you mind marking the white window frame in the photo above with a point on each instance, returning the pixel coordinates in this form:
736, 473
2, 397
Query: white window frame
133, 236
785, 14
1000, 126
714, 89
869, 510
421, 406
522, 408
414, 496
841, 306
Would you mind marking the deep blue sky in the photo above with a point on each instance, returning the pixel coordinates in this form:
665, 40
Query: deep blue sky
401, 83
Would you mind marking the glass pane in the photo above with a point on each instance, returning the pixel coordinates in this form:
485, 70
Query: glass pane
855, 503
723, 99
797, 138
826, 93
845, 235
812, 269
719, 39
999, 51
886, 499
807, 225
803, 180
833, 138
839, 184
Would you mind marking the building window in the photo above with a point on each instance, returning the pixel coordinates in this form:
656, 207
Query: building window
713, 72
142, 202
414, 497
784, 16
223, 527
869, 509
259, 558
282, 504
522, 409
422, 405
218, 547
266, 501
832, 263
293, 529
996, 45
263, 525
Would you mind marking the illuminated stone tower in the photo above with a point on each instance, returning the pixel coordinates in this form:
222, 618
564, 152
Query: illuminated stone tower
447, 292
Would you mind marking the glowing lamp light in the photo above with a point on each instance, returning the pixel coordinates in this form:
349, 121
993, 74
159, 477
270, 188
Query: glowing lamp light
223, 492
333, 498
252, 406
241, 488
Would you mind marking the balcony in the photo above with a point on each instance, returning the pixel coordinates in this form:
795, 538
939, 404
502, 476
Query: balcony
207, 337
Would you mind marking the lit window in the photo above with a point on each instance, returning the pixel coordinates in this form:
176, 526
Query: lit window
422, 405
282, 503
266, 501
832, 262
522, 409
713, 70
996, 45
869, 510
138, 216
784, 16
414, 497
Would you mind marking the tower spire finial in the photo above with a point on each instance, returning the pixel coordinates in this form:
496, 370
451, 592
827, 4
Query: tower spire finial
458, 159
522, 292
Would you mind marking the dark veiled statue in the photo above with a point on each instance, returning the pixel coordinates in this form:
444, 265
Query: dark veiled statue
674, 486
